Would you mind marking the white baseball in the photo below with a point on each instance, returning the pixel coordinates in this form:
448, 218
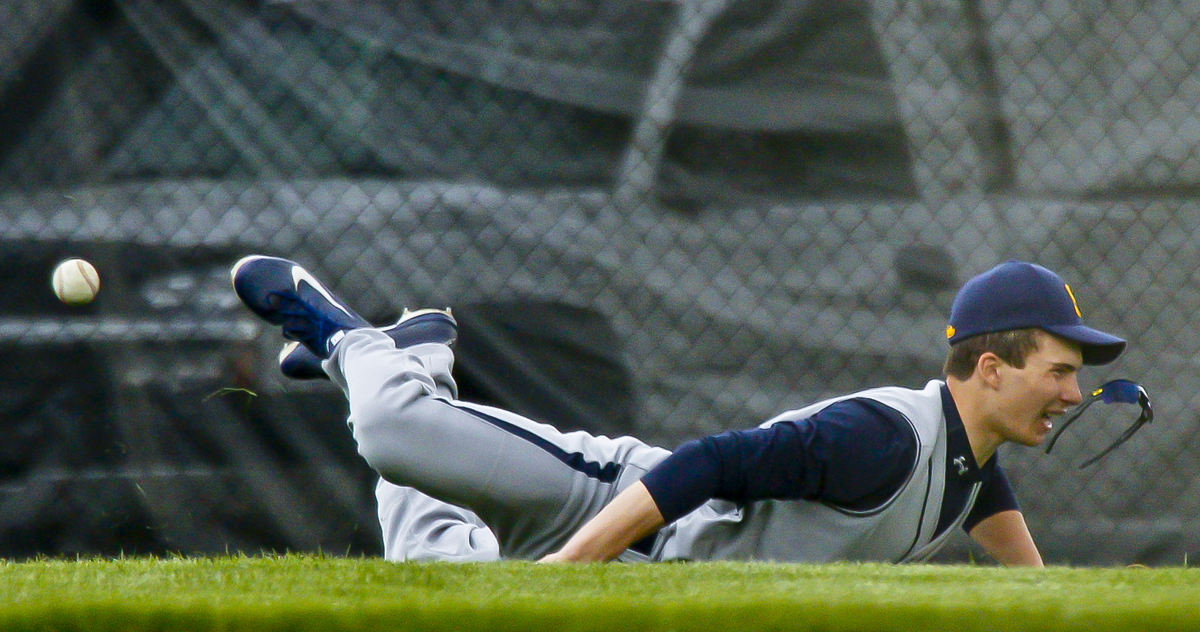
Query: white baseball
75, 282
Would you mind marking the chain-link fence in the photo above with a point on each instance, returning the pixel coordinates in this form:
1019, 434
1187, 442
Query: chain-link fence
651, 217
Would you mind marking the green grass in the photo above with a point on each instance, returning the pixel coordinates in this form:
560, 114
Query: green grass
329, 593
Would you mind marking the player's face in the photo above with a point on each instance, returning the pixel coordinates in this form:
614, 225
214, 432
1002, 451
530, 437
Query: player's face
1040, 391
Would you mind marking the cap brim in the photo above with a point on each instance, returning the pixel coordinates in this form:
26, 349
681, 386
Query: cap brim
1096, 346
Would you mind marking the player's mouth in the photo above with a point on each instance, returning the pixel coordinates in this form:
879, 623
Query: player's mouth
1048, 419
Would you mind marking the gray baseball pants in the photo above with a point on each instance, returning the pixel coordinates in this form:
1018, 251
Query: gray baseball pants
422, 528
531, 484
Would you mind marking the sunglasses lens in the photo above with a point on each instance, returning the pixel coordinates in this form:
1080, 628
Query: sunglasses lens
1120, 392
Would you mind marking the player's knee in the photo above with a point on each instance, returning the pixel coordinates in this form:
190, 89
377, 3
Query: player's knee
375, 442
385, 432
371, 451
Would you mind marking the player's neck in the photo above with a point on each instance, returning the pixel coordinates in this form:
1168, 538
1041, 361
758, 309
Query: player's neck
971, 408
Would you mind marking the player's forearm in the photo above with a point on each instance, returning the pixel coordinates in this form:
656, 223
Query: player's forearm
1006, 537
631, 516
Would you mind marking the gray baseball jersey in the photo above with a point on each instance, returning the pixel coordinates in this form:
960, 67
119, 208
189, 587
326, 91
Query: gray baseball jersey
901, 528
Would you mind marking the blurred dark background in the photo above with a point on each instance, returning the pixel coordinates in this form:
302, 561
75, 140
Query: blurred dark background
664, 218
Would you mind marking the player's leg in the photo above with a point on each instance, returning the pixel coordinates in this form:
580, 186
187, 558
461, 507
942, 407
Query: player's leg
414, 526
418, 527
530, 483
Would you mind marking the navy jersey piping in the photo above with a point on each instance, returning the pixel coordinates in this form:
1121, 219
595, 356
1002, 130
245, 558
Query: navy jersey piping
924, 508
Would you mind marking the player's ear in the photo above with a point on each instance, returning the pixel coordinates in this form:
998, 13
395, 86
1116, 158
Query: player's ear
987, 368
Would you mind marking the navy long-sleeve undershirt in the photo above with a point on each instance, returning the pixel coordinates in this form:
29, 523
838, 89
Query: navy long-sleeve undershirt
854, 453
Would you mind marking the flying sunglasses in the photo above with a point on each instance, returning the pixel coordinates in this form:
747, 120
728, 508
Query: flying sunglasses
1114, 392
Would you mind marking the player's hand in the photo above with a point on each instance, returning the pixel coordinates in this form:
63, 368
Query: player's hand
556, 557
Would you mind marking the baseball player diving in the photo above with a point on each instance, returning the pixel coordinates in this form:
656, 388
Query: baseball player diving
884, 474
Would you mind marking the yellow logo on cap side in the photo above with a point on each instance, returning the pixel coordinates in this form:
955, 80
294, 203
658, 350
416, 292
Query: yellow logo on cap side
950, 331
1073, 301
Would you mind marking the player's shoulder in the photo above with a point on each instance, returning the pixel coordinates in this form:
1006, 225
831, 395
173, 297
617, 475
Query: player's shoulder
930, 392
910, 402
892, 402
864, 416
861, 430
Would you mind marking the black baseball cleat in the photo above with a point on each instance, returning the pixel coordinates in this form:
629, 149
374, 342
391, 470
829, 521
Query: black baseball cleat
285, 294
413, 328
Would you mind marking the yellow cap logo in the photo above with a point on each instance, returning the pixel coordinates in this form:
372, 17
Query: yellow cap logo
950, 331
1073, 301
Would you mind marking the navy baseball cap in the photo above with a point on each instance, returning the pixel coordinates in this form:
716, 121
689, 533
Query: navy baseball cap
1019, 295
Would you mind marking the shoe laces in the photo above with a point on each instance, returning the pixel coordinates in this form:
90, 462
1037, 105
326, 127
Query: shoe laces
303, 322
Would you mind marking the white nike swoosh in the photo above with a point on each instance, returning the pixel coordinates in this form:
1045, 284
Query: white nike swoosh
300, 274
